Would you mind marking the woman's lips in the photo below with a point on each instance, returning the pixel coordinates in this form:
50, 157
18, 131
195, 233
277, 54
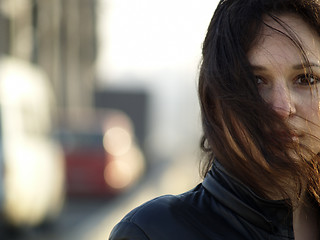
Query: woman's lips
294, 137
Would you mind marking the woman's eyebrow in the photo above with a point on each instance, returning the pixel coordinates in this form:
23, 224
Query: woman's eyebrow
306, 65
296, 66
258, 68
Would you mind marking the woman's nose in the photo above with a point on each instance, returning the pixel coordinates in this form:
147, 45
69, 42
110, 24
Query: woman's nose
282, 101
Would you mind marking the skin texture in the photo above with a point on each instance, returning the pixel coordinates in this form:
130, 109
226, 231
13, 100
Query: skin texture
284, 83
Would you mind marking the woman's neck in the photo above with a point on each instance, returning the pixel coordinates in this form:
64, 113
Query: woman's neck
306, 221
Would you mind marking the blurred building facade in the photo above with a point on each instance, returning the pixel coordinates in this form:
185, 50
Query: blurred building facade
60, 37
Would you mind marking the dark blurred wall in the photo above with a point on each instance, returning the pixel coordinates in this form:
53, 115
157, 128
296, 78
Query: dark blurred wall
134, 103
4, 35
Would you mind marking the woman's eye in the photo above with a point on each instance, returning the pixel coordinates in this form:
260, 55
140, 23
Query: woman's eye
307, 79
259, 80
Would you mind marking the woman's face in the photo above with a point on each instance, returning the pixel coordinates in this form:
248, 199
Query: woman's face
283, 79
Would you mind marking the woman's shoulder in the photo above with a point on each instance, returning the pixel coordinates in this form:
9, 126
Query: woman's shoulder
159, 207
163, 207
165, 217
143, 221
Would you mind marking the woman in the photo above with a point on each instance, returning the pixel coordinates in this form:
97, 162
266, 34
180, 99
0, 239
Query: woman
260, 103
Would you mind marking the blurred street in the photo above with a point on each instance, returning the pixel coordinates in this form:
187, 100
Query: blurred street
98, 97
84, 219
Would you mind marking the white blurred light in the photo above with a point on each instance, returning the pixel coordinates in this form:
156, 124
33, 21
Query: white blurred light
117, 141
33, 169
124, 170
117, 174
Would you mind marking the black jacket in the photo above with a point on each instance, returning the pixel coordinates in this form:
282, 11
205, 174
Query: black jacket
218, 208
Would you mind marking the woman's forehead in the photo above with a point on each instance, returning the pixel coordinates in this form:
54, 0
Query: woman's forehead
285, 23
273, 43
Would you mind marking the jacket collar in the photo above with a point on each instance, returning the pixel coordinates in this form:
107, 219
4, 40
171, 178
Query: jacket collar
272, 216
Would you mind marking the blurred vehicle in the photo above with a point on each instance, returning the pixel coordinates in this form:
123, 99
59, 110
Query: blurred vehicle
102, 157
31, 163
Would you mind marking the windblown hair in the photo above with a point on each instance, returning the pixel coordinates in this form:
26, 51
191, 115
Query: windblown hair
240, 129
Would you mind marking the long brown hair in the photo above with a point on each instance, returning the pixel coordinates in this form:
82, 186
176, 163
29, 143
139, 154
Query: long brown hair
240, 129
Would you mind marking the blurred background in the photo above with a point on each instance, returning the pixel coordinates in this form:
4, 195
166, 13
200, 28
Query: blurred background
98, 111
